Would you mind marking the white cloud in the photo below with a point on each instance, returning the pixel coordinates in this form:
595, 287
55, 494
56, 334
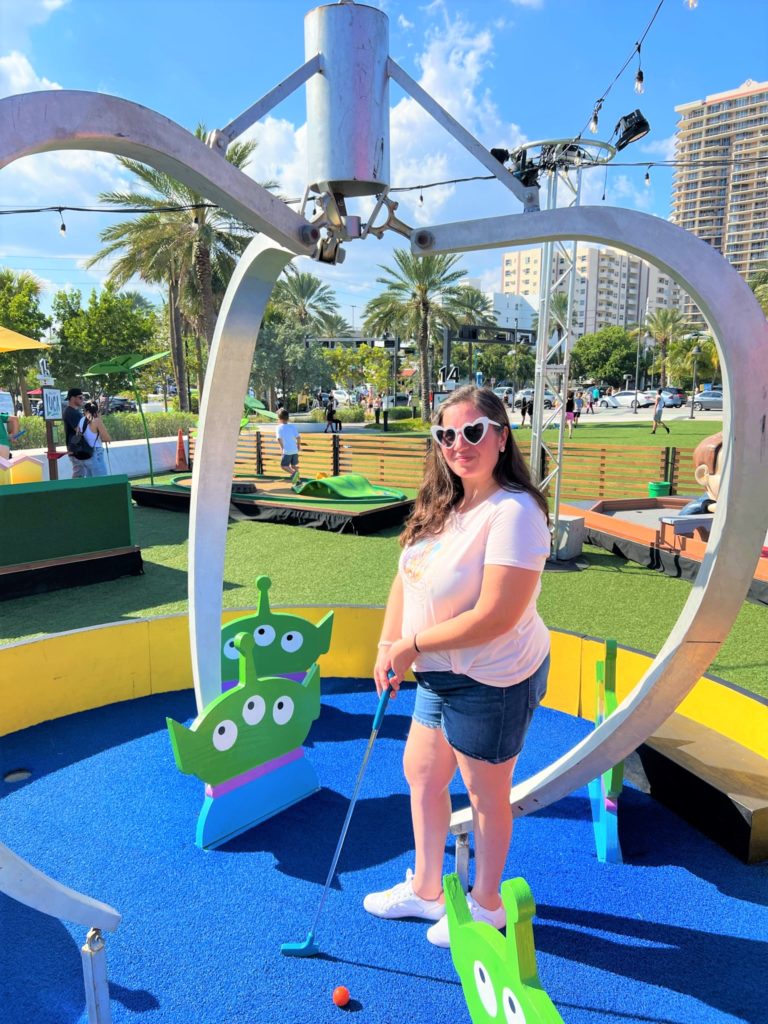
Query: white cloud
534, 4
20, 16
17, 75
403, 22
664, 148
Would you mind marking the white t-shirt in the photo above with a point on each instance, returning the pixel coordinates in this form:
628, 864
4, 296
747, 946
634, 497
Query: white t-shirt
442, 577
287, 433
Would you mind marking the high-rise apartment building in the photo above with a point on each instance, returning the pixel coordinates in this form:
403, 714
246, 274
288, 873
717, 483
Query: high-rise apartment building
720, 190
613, 288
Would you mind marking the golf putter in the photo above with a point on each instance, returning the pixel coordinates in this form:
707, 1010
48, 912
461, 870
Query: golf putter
309, 947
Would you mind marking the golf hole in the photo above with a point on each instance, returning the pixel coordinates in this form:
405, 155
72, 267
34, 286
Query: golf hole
17, 775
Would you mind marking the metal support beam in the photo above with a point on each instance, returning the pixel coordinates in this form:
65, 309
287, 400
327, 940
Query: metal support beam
528, 196
223, 136
739, 526
226, 381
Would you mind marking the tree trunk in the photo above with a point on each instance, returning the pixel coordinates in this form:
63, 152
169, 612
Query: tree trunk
663, 366
177, 346
424, 363
200, 368
205, 280
25, 405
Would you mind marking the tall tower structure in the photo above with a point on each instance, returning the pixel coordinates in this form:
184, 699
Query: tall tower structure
720, 188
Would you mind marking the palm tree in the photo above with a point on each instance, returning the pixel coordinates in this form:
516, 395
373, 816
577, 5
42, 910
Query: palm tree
416, 303
303, 297
208, 239
759, 285
666, 326
558, 315
472, 307
334, 325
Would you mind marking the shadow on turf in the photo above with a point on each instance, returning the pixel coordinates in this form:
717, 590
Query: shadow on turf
41, 967
723, 971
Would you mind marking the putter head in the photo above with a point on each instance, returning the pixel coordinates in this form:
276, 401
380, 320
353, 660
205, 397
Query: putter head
306, 948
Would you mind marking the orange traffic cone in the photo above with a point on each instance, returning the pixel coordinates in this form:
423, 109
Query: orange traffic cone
182, 466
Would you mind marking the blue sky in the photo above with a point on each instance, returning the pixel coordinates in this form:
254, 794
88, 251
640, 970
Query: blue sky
509, 70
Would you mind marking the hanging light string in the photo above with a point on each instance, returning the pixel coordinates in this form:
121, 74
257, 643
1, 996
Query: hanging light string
592, 124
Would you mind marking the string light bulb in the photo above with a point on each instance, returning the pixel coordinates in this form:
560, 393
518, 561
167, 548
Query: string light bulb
648, 178
593, 122
639, 80
62, 226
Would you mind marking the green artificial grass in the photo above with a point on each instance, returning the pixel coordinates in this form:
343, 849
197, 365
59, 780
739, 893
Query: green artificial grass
609, 598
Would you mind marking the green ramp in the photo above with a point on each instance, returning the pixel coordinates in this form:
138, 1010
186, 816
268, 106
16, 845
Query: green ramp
349, 486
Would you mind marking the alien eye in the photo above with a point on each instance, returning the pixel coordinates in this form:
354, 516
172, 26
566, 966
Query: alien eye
513, 1012
291, 642
224, 735
253, 710
263, 635
230, 651
282, 712
485, 989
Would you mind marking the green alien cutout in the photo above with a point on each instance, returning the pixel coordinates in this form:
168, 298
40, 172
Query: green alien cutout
498, 975
284, 643
260, 719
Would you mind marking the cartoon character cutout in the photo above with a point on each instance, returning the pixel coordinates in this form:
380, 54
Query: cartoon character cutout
284, 643
498, 975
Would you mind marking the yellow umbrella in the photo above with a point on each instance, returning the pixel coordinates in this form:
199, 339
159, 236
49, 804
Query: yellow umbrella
12, 341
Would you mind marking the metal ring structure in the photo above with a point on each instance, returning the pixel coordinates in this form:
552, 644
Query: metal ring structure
741, 334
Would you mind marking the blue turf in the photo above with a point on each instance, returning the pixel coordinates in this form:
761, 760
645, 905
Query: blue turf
678, 933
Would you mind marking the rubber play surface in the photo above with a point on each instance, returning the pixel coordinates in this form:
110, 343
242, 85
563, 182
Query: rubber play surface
678, 933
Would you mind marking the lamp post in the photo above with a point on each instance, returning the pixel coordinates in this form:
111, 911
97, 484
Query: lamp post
695, 352
637, 373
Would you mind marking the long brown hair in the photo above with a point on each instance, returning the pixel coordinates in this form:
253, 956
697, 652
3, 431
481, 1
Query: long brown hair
441, 489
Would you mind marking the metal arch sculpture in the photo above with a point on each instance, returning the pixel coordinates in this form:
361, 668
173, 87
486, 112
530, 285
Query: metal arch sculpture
741, 334
47, 121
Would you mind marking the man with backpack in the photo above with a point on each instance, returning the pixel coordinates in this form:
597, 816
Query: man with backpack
73, 438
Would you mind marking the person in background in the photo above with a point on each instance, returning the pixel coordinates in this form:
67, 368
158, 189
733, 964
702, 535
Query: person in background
9, 431
658, 412
462, 612
578, 405
96, 434
569, 412
290, 444
72, 416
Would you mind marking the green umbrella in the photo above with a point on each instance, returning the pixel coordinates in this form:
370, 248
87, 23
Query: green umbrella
126, 367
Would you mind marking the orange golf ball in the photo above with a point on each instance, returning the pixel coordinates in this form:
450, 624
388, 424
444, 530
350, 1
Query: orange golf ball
341, 995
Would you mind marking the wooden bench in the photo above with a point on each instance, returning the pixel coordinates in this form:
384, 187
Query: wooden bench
714, 783
680, 527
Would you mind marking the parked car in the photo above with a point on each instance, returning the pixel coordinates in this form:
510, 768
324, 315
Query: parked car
116, 403
342, 396
627, 399
712, 400
504, 392
527, 394
674, 397
609, 402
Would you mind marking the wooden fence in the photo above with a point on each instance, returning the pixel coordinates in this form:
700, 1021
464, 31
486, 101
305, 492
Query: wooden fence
398, 461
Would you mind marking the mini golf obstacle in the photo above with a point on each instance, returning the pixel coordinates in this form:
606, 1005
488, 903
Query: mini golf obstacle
347, 503
604, 792
246, 744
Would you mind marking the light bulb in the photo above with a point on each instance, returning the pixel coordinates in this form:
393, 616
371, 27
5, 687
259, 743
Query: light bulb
647, 179
639, 79
63, 228
593, 123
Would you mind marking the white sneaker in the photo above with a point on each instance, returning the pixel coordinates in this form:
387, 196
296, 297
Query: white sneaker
438, 933
402, 901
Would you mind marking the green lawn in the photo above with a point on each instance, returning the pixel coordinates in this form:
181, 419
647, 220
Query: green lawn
609, 598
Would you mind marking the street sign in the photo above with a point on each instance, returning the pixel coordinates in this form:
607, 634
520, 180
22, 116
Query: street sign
43, 364
51, 404
45, 382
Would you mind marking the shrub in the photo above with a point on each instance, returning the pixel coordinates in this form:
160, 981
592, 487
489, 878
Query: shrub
124, 426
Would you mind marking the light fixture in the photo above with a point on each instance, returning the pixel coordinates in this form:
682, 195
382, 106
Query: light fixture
630, 128
62, 226
639, 77
593, 122
648, 178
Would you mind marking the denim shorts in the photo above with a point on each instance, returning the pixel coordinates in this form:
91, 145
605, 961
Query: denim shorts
487, 723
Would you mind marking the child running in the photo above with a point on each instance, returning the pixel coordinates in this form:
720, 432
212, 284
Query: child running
290, 442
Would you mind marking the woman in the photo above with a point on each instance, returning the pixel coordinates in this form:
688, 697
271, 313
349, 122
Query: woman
97, 435
462, 611
570, 412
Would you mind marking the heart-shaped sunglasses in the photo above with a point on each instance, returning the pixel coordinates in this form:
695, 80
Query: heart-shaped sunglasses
473, 433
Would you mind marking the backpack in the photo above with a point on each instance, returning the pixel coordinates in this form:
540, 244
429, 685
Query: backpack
78, 447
